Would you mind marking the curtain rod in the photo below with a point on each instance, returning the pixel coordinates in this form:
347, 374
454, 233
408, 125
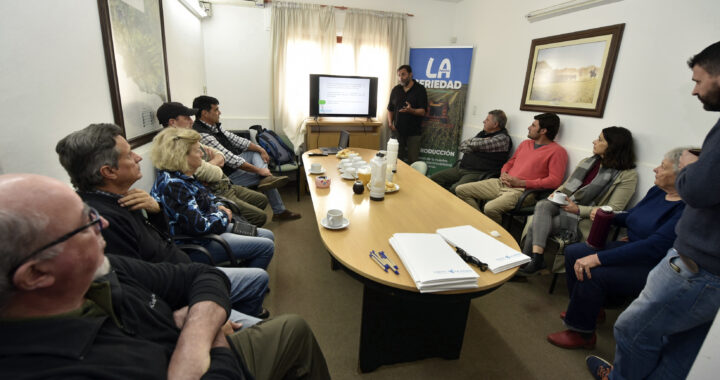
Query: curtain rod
343, 8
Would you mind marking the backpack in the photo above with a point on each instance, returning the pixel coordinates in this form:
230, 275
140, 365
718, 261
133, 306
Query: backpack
274, 146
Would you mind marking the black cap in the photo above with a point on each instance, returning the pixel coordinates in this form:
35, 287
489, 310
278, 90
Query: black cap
172, 110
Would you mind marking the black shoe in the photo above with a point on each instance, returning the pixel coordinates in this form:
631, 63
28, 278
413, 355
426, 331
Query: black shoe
264, 314
533, 267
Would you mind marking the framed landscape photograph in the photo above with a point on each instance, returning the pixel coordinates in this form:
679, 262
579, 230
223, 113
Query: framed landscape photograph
571, 73
134, 43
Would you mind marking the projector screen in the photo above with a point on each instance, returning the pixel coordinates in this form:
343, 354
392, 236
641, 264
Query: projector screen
334, 95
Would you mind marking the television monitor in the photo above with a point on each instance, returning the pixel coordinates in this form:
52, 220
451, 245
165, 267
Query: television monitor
343, 96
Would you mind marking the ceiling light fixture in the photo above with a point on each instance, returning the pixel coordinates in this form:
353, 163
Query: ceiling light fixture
563, 8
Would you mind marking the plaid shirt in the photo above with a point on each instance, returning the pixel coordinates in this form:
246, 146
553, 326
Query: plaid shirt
231, 160
497, 143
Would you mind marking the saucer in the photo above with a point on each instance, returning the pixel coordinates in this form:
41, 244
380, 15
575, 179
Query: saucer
558, 203
347, 177
322, 170
394, 189
344, 224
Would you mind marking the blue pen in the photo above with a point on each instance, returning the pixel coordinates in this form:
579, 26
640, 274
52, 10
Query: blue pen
382, 254
383, 267
391, 265
376, 257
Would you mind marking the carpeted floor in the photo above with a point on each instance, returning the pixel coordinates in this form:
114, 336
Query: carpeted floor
504, 338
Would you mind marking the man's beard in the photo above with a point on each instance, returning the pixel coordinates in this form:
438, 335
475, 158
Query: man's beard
711, 101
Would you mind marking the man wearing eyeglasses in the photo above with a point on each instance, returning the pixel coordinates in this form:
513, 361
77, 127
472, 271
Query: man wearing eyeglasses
103, 168
67, 311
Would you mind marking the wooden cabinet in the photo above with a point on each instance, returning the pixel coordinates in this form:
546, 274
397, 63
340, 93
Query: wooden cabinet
325, 132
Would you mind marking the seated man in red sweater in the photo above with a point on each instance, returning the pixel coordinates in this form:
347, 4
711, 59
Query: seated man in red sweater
538, 163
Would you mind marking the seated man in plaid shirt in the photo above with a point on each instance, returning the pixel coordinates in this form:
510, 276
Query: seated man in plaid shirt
483, 157
245, 162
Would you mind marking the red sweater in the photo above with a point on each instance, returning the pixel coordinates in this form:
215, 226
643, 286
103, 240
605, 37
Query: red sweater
541, 168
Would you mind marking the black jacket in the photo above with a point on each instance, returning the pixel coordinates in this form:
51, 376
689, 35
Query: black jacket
131, 234
143, 298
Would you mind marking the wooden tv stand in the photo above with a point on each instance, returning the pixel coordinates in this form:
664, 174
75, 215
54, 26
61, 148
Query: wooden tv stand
325, 132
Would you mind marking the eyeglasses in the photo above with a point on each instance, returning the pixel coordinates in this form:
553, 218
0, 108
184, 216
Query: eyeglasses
95, 220
471, 259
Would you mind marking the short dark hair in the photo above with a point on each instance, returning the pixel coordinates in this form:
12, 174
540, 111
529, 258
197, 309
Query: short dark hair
499, 117
620, 152
204, 102
82, 154
550, 122
708, 59
406, 68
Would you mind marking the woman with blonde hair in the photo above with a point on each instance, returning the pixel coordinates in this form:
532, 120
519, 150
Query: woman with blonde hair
191, 208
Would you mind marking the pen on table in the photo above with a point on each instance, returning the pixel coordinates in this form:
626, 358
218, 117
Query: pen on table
381, 256
380, 260
375, 259
384, 256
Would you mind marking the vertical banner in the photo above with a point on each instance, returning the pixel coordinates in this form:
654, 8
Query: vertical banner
445, 73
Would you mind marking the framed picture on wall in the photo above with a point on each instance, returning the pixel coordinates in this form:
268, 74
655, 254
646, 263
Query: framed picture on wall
134, 41
571, 73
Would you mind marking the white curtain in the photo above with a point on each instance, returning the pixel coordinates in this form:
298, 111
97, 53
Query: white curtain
303, 39
375, 44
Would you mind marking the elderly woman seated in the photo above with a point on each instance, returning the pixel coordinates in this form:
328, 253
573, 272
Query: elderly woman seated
620, 270
191, 208
608, 178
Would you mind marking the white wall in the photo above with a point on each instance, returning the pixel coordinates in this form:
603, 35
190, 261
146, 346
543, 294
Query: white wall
238, 50
54, 81
650, 90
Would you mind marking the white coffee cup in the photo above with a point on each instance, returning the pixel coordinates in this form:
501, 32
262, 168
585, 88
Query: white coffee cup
350, 172
315, 167
353, 155
559, 197
356, 158
359, 164
345, 161
334, 218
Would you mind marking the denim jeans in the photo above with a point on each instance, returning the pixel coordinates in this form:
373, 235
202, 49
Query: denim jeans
256, 251
587, 297
243, 178
660, 334
247, 292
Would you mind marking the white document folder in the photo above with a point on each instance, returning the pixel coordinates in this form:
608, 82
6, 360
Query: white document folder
498, 256
432, 263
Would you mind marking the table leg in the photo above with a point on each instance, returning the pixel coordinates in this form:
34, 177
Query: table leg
397, 328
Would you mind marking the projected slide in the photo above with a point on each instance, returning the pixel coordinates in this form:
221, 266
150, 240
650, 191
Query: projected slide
343, 96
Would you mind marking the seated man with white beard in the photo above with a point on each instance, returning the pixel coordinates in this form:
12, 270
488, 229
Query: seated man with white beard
68, 311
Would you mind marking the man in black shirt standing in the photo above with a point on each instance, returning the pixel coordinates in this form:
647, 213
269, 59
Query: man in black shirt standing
406, 109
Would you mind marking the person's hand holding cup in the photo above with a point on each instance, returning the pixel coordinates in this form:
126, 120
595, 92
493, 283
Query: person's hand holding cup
559, 197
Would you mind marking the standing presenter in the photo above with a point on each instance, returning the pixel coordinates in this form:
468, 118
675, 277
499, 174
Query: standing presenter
406, 109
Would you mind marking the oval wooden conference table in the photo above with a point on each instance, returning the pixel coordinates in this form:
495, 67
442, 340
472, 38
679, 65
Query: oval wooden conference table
399, 324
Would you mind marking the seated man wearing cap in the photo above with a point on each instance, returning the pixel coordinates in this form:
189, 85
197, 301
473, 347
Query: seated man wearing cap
245, 162
67, 311
251, 204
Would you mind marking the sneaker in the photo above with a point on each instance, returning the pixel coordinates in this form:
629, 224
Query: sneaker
599, 368
272, 182
286, 215
572, 339
533, 267
600, 317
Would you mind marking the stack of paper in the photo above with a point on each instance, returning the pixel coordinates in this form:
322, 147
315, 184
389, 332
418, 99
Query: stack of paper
495, 254
432, 264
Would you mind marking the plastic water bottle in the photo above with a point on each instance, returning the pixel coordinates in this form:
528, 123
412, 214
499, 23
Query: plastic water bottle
392, 154
378, 167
